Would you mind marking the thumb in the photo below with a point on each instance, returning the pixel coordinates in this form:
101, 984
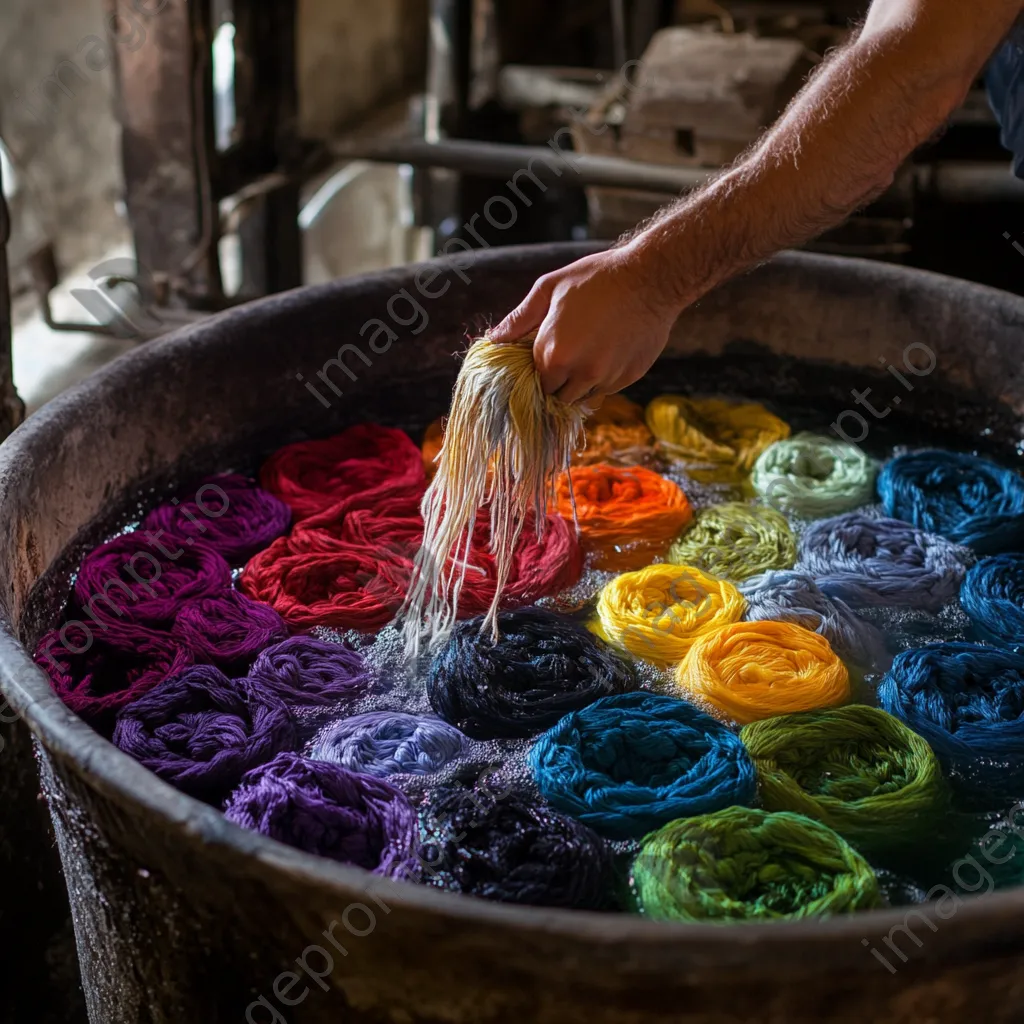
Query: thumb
525, 318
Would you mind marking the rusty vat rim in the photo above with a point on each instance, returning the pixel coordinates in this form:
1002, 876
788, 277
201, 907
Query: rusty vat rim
122, 779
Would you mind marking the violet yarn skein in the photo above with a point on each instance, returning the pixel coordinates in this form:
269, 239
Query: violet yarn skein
993, 597
385, 743
228, 630
869, 562
305, 672
329, 811
201, 731
229, 513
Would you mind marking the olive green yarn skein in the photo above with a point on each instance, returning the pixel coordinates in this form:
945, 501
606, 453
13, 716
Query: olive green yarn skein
743, 864
856, 768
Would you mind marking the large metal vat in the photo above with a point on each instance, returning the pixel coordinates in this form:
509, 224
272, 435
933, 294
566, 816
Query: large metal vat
181, 917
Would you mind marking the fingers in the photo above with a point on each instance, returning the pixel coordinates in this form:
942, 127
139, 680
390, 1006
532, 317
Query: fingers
560, 374
526, 317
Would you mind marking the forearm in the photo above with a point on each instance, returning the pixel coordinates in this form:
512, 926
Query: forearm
836, 147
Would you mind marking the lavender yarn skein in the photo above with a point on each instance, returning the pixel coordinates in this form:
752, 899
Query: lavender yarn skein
385, 743
870, 562
201, 731
329, 811
305, 672
787, 596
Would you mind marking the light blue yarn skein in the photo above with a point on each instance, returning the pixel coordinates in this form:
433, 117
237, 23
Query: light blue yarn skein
386, 743
993, 597
628, 764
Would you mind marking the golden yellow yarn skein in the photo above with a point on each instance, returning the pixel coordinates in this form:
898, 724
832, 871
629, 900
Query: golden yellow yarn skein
754, 670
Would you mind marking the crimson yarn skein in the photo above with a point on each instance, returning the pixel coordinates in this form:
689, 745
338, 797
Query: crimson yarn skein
228, 513
304, 672
228, 630
329, 811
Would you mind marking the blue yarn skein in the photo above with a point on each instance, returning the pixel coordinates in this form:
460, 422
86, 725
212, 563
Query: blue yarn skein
786, 596
969, 500
385, 743
993, 597
870, 562
628, 764
967, 701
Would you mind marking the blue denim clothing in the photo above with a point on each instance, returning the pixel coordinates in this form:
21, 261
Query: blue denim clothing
1005, 81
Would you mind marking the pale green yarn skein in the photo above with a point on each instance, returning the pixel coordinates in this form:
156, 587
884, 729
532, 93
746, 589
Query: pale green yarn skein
812, 476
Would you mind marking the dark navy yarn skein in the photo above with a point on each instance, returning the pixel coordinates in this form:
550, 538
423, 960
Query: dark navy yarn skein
969, 500
628, 764
542, 666
967, 701
993, 596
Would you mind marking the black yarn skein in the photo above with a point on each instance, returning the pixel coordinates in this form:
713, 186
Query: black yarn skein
542, 667
510, 849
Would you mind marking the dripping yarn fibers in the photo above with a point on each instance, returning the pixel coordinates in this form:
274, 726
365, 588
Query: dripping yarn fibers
505, 444
228, 630
993, 596
813, 476
718, 441
228, 513
967, 701
870, 562
656, 613
786, 596
753, 670
354, 469
385, 743
513, 850
304, 672
741, 864
627, 516
968, 499
616, 435
857, 769
736, 541
329, 811
541, 667
630, 763
201, 731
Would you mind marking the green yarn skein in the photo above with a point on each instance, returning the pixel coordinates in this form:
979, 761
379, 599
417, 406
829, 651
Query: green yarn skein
814, 476
736, 541
856, 768
742, 864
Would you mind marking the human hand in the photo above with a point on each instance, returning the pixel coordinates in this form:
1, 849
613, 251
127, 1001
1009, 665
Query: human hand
601, 322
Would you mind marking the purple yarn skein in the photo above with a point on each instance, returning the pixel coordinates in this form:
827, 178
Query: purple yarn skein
201, 731
229, 630
305, 672
229, 514
327, 810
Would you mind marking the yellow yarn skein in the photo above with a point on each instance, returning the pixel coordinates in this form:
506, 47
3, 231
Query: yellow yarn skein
718, 440
658, 612
754, 670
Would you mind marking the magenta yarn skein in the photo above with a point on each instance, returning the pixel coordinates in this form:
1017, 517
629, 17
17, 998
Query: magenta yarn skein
304, 672
327, 810
228, 630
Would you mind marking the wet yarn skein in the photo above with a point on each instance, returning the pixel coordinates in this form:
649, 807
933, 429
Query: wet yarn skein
857, 769
718, 441
616, 435
870, 562
736, 541
993, 596
385, 743
505, 443
970, 500
656, 613
813, 476
541, 667
228, 630
228, 513
628, 764
627, 516
741, 864
753, 670
512, 850
967, 701
785, 596
329, 811
354, 469
201, 731
304, 672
